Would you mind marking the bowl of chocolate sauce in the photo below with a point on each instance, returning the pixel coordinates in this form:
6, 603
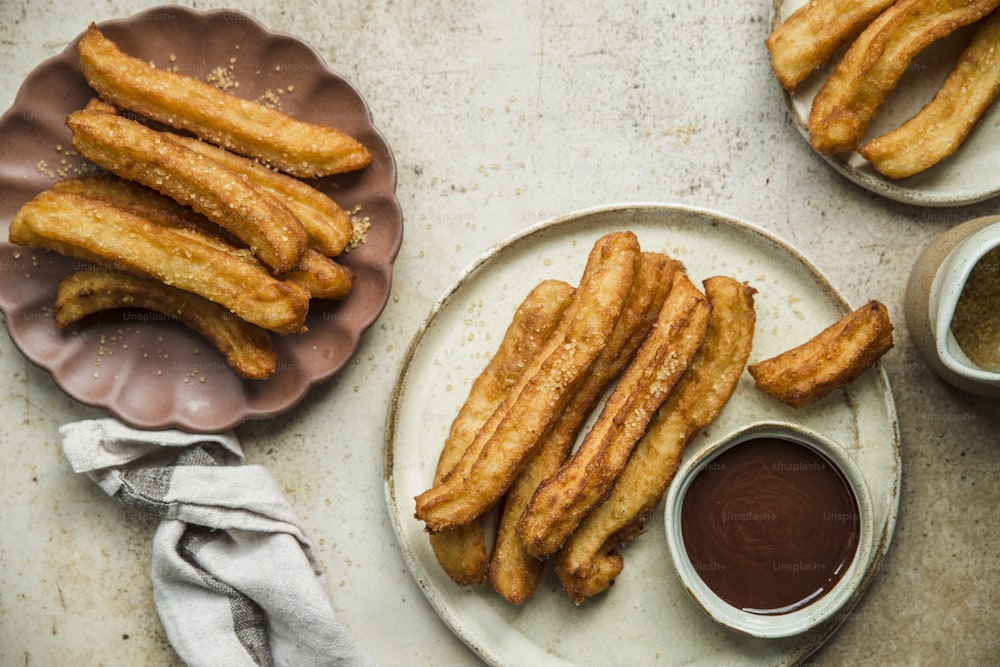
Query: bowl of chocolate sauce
771, 529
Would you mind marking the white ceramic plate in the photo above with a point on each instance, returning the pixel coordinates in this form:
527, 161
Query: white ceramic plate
968, 176
646, 616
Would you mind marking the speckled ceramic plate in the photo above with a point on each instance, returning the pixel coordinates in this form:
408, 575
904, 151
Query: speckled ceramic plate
968, 176
154, 373
646, 617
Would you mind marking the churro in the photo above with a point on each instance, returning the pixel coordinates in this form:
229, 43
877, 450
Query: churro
137, 153
513, 573
809, 36
943, 125
585, 480
324, 277
590, 560
242, 126
462, 551
497, 454
849, 99
99, 232
829, 360
247, 349
327, 224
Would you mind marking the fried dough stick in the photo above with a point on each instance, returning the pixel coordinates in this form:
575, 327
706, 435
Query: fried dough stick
514, 432
589, 561
321, 275
328, 225
586, 479
98, 232
940, 128
137, 153
145, 203
247, 348
513, 573
809, 36
849, 99
829, 360
462, 551
242, 126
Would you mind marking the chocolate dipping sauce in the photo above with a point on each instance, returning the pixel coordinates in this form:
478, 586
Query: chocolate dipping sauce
770, 525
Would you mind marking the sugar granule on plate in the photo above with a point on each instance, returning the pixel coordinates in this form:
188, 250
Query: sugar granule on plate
42, 167
359, 229
222, 77
271, 99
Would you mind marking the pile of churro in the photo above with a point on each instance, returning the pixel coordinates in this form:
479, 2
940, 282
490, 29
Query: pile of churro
884, 36
664, 356
208, 221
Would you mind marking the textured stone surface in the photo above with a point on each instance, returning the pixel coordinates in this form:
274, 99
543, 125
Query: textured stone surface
502, 115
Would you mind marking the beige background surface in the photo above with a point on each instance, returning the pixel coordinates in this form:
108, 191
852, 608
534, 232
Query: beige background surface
502, 115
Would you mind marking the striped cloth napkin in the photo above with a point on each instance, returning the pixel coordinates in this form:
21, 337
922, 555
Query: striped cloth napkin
235, 580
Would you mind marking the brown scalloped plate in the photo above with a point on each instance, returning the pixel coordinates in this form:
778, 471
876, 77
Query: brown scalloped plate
144, 369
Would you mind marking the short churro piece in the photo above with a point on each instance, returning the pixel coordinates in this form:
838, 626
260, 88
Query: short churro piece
831, 359
324, 277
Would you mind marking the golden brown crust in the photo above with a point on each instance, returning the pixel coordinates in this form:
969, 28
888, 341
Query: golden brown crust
97, 104
324, 277
137, 153
461, 551
513, 573
829, 360
327, 224
496, 456
321, 275
849, 99
248, 349
96, 231
809, 36
586, 479
589, 561
143, 202
242, 126
943, 125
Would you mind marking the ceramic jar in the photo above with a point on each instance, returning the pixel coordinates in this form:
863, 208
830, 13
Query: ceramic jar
932, 295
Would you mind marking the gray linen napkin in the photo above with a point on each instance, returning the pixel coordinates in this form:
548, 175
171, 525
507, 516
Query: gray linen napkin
235, 580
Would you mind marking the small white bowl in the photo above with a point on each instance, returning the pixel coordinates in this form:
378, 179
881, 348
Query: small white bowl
804, 618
